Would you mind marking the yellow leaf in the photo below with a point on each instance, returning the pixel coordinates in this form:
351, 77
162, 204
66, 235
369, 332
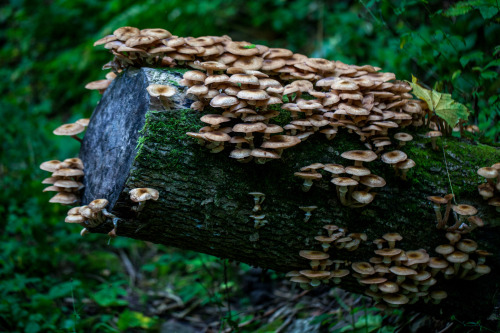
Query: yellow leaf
442, 104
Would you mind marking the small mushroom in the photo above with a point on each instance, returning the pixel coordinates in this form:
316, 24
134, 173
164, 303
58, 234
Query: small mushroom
434, 135
308, 179
70, 130
308, 210
141, 195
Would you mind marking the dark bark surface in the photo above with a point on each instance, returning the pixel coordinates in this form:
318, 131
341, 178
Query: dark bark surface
204, 203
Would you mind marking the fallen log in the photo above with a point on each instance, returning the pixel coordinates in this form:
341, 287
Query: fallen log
134, 141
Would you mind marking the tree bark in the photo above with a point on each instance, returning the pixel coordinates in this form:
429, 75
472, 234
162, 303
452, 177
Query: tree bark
135, 141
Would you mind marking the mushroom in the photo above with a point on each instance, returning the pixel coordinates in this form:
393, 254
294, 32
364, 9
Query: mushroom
141, 195
463, 211
308, 179
308, 210
342, 184
70, 130
436, 204
259, 221
434, 135
163, 92
314, 256
258, 199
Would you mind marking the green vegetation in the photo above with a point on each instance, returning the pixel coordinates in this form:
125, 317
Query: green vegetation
52, 280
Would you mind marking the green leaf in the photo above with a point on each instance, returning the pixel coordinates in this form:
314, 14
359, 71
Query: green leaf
442, 104
130, 319
251, 46
476, 56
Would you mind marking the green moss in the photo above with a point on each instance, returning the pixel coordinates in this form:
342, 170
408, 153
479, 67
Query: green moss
463, 159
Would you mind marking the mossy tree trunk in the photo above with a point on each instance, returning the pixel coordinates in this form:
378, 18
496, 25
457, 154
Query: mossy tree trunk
134, 141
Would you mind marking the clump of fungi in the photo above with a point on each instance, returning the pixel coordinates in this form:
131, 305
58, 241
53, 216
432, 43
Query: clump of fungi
353, 189
464, 215
491, 189
257, 216
245, 84
65, 179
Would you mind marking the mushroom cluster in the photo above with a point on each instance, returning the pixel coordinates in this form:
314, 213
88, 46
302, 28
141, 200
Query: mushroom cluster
464, 215
257, 216
242, 79
459, 255
65, 179
491, 189
347, 180
323, 269
393, 276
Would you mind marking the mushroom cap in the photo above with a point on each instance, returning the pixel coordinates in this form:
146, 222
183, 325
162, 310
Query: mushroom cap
125, 33
308, 175
482, 269
339, 273
406, 164
444, 249
405, 137
363, 196
300, 279
213, 65
242, 48
372, 181
281, 142
433, 134
467, 245
157, 90
357, 170
67, 183
69, 129
363, 267
315, 275
249, 128
143, 194
223, 101
463, 209
314, 255
214, 119
373, 280
244, 79
249, 63
437, 200
65, 198
389, 287
336, 169
50, 166
240, 153
457, 257
83, 121
416, 257
386, 252
195, 75
344, 181
252, 94
402, 271
308, 208
488, 172
217, 136
98, 85
360, 155
394, 157
438, 294
74, 219
261, 153
435, 262
98, 204
66, 172
421, 276
344, 84
354, 110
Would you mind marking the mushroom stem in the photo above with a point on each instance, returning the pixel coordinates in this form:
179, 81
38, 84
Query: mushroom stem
433, 142
139, 207
77, 138
342, 195
437, 210
307, 185
446, 214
